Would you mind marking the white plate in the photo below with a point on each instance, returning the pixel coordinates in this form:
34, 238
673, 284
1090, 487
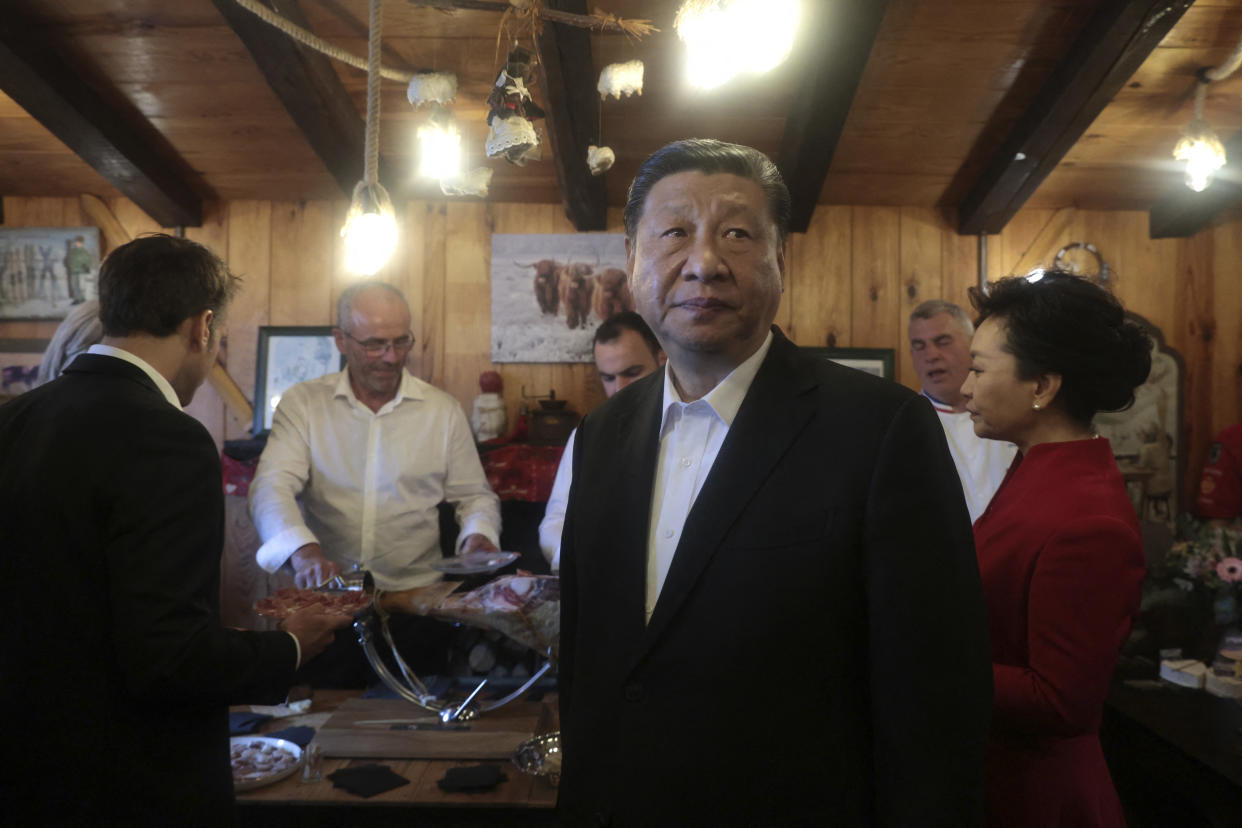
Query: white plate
250, 782
473, 563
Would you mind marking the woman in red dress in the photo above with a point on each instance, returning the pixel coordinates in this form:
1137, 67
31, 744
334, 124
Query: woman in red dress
1059, 548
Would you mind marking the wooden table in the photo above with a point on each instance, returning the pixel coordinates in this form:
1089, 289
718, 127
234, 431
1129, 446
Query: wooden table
1175, 755
522, 800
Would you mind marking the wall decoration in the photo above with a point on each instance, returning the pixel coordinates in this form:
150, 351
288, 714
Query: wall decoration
289, 355
1147, 437
549, 291
44, 271
875, 361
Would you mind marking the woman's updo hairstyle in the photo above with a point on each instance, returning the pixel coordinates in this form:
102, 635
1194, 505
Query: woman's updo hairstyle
1058, 323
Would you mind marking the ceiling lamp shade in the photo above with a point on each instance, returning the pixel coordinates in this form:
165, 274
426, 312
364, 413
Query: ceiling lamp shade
727, 38
370, 230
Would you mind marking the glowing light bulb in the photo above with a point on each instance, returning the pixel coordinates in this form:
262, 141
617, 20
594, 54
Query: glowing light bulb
439, 150
1203, 153
726, 38
370, 239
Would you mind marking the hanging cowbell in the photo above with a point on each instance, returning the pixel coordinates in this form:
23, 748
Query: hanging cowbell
621, 79
600, 159
511, 110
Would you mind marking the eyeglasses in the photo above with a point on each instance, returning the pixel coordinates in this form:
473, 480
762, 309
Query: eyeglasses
376, 347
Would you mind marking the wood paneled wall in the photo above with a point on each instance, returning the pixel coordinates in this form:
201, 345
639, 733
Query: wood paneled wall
853, 279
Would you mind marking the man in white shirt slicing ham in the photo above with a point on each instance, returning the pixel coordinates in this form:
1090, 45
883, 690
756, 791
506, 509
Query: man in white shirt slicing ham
755, 529
940, 334
625, 351
355, 467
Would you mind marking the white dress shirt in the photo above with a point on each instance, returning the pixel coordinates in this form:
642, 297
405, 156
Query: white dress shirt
368, 483
160, 382
690, 438
558, 501
981, 463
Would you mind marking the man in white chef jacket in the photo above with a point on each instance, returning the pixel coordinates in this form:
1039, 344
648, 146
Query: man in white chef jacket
940, 334
358, 461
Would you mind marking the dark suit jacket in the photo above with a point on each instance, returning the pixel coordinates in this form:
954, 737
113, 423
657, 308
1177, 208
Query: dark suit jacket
818, 654
115, 673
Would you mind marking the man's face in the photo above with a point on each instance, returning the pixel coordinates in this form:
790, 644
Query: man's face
378, 316
623, 360
941, 353
706, 265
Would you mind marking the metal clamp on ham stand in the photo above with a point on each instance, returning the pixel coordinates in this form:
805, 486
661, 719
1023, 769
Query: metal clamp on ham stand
520, 606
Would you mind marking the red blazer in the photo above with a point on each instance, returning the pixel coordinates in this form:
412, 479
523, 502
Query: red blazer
1061, 560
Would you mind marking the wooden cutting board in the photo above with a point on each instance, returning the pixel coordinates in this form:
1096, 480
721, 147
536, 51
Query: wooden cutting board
493, 735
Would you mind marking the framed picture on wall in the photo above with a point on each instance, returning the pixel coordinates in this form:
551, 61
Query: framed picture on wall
289, 355
877, 361
44, 271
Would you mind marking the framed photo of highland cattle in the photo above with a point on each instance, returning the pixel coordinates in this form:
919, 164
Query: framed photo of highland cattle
550, 292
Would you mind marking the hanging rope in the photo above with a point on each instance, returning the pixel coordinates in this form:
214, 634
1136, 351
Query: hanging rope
371, 174
318, 44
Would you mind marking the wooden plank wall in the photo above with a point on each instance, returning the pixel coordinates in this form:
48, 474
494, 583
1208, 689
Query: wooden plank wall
852, 280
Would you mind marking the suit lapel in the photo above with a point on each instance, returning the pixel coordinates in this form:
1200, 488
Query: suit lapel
637, 450
773, 414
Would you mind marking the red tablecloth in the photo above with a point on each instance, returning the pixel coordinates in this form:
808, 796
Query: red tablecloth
519, 471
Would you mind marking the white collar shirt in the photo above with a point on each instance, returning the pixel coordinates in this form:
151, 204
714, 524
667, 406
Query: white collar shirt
365, 484
690, 438
160, 381
981, 463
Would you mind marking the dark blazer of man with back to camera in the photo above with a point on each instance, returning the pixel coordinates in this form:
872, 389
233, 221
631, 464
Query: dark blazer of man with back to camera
115, 671
818, 654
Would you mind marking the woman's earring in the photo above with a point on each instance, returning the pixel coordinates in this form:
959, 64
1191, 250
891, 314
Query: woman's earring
1035, 406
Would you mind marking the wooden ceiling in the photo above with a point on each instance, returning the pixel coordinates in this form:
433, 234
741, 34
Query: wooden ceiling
909, 102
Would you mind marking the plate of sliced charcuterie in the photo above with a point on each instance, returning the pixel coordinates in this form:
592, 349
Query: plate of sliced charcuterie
284, 602
262, 760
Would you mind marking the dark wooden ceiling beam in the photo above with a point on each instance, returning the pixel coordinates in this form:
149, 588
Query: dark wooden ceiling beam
831, 53
1183, 212
310, 90
1115, 42
100, 126
567, 75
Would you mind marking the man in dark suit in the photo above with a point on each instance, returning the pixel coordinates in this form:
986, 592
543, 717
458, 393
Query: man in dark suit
115, 673
771, 606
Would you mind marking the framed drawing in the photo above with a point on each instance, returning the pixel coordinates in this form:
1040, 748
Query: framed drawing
550, 292
44, 271
877, 361
289, 355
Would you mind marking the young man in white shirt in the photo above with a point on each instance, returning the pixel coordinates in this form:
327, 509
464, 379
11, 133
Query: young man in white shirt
940, 334
625, 351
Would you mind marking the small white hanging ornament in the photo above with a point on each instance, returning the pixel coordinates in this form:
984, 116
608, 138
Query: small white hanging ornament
472, 183
600, 159
431, 87
621, 79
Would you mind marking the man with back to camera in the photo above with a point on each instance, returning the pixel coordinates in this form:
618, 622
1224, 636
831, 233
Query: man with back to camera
117, 673
771, 611
625, 351
940, 334
354, 469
